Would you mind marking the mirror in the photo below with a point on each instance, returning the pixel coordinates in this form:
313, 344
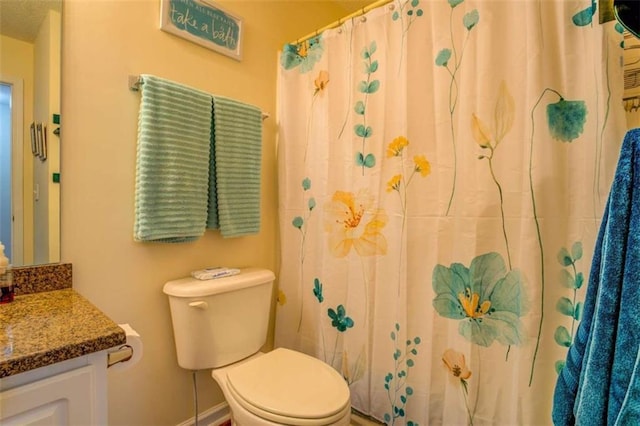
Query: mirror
30, 35
627, 12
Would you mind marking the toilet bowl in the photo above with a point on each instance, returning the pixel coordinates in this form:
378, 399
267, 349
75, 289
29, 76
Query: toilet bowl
284, 387
221, 324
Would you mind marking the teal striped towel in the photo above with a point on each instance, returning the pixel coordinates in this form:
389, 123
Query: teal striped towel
238, 154
172, 169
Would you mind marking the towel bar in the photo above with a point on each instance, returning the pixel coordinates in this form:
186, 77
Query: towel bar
135, 81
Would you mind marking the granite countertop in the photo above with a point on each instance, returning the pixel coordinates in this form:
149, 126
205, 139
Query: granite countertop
44, 328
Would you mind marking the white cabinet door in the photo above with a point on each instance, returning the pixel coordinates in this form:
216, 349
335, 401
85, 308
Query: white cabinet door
64, 399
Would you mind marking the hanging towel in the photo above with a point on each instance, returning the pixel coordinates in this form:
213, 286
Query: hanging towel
600, 382
238, 152
172, 170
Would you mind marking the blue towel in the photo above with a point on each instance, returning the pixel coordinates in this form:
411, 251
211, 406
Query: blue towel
172, 170
238, 154
600, 382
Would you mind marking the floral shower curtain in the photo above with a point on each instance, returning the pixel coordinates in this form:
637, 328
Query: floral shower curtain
443, 167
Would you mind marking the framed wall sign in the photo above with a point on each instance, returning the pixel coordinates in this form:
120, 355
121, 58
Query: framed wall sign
205, 23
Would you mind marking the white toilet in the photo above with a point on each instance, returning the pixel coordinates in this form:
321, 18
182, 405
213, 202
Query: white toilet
222, 324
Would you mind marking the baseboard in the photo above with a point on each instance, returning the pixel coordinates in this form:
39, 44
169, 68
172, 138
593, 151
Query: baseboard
214, 416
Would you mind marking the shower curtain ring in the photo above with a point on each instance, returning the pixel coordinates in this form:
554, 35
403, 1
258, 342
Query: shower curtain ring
362, 17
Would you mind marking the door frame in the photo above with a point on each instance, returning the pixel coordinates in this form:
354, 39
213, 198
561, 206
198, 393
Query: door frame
17, 157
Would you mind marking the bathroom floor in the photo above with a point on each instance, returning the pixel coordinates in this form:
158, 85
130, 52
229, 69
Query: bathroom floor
358, 419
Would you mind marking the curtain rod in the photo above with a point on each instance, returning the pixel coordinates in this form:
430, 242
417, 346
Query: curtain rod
341, 21
135, 81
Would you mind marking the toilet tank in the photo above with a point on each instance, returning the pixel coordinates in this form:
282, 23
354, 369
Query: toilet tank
220, 321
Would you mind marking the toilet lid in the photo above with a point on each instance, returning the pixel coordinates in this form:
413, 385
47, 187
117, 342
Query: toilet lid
290, 384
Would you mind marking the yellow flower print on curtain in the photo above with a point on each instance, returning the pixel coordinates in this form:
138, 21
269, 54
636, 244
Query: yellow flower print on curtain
459, 374
396, 382
397, 182
396, 146
356, 372
282, 298
321, 82
456, 364
352, 221
421, 165
489, 139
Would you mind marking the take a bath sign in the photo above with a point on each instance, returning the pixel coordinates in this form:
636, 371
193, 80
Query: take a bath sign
203, 22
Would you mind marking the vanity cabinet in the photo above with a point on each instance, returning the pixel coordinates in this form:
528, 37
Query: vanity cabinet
54, 347
71, 392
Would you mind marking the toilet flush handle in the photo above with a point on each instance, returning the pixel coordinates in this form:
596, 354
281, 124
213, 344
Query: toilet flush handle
200, 304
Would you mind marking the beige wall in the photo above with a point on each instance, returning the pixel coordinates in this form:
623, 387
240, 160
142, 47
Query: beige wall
16, 61
105, 41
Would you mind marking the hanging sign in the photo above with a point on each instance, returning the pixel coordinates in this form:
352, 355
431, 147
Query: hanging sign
203, 22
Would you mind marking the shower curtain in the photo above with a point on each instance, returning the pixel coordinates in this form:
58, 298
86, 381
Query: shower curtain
443, 168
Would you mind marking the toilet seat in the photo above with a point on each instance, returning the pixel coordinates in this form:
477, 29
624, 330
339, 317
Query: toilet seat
291, 388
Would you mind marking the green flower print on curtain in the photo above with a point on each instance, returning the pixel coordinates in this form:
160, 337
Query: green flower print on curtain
339, 319
317, 290
411, 10
341, 323
303, 55
366, 87
486, 298
444, 59
395, 383
320, 84
573, 280
300, 223
406, 14
565, 120
585, 16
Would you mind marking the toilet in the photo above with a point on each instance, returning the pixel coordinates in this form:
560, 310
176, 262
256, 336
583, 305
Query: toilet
221, 324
